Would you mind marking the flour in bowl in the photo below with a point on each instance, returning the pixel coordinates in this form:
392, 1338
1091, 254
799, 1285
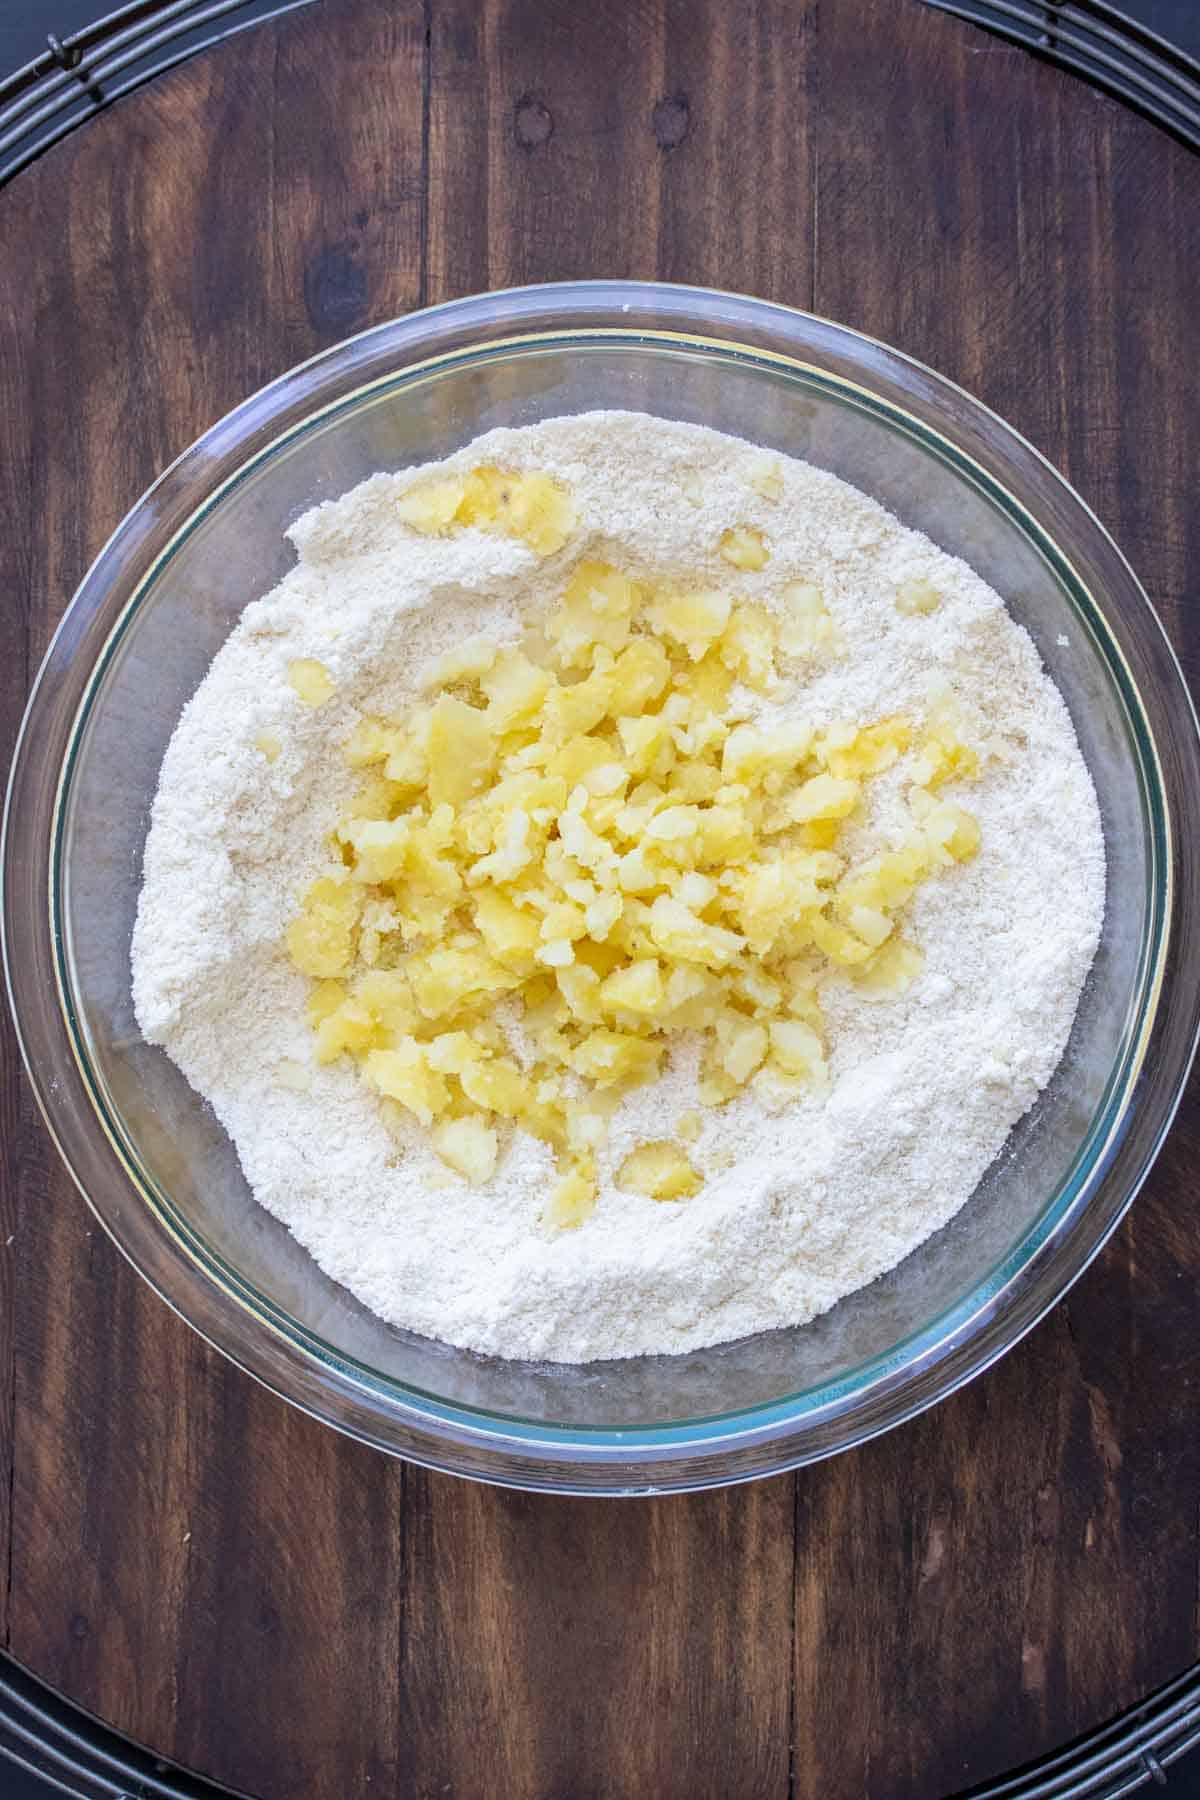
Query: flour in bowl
828, 1122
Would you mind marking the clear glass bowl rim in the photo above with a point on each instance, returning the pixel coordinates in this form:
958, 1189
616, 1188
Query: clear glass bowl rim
243, 1324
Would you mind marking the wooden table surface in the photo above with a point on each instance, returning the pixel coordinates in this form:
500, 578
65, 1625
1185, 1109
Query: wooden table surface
211, 1571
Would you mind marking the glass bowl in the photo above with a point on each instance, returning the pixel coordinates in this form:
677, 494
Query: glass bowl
148, 1154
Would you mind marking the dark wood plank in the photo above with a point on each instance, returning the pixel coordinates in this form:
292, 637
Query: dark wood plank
192, 1559
18, 1139
733, 124
539, 120
1019, 1589
570, 142
645, 1649
596, 1648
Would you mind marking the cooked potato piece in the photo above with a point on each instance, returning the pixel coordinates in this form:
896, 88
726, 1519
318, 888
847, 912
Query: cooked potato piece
469, 1146
588, 837
744, 547
310, 680
660, 1171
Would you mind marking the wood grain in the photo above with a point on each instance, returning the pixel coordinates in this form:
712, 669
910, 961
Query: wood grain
597, 1649
190, 1556
1022, 1598
205, 1567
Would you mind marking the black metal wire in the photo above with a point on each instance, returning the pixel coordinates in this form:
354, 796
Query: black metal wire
75, 76
77, 1756
71, 1753
1098, 41
68, 82
1133, 1751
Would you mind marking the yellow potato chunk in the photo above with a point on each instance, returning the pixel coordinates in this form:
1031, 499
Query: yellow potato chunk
321, 940
352, 1027
892, 970
838, 942
808, 627
943, 758
515, 688
388, 998
528, 506
692, 621
380, 847
852, 755
660, 1171
750, 753
772, 896
461, 750
268, 745
587, 841
370, 742
823, 797
573, 1198
796, 1049
324, 999
748, 645
469, 1146
444, 980
636, 988
511, 935
639, 675
596, 609
310, 680
744, 547
765, 475
431, 507
689, 1127
742, 1044
916, 597
950, 831
404, 1074
497, 1085
684, 937
607, 1057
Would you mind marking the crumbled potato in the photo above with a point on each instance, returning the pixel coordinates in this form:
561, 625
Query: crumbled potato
531, 507
469, 1146
916, 597
892, 971
432, 506
765, 476
748, 646
268, 745
809, 628
572, 1198
583, 831
310, 680
659, 1170
691, 621
744, 547
321, 940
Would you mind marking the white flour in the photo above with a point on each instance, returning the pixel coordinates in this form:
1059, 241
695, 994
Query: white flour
799, 1209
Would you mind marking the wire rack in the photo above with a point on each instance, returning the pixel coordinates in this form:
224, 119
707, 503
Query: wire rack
70, 81
1103, 44
75, 77
77, 1756
71, 1753
1137, 1750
